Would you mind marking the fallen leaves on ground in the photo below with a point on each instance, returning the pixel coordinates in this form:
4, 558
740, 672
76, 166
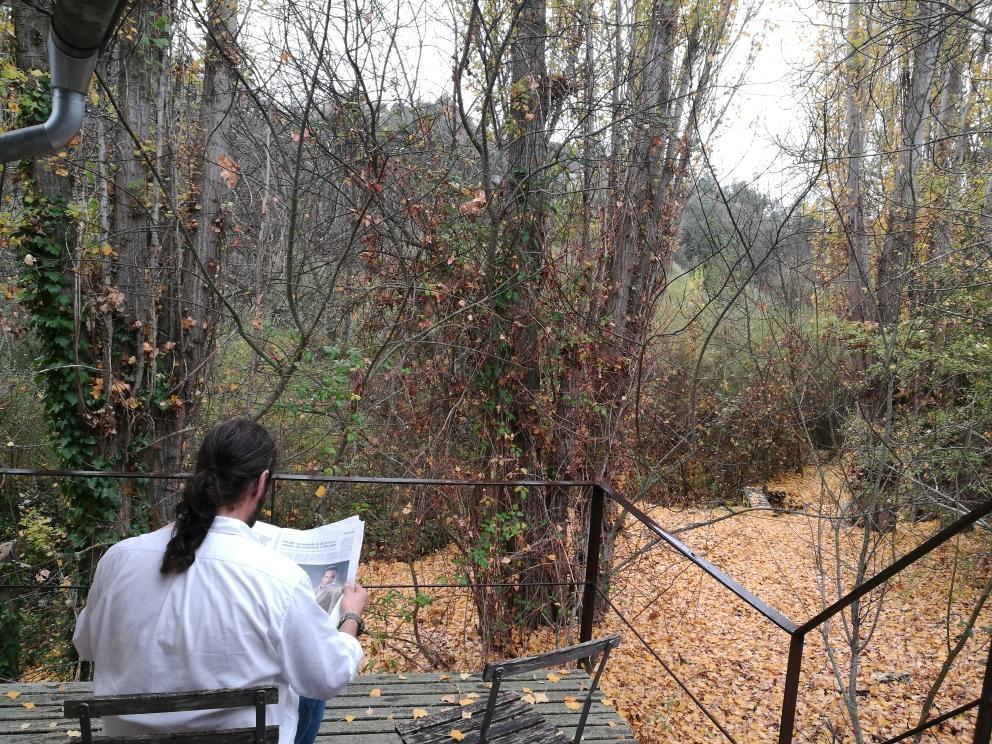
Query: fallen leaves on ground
733, 659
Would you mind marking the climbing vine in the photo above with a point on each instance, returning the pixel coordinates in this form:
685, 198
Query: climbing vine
40, 238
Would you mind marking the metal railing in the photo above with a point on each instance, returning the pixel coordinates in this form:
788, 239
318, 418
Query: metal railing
592, 594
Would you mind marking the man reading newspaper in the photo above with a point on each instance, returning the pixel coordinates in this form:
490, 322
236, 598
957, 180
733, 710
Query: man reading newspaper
202, 605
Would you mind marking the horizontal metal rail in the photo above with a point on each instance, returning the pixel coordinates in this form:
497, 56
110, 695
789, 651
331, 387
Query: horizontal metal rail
480, 585
307, 477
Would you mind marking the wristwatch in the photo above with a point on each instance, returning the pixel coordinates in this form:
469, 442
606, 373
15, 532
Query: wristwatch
352, 616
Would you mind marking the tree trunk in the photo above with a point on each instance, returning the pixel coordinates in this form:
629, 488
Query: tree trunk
900, 229
857, 277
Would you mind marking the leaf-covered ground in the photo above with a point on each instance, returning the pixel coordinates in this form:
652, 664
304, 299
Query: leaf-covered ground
731, 658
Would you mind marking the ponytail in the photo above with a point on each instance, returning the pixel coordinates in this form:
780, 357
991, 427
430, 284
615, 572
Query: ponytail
231, 458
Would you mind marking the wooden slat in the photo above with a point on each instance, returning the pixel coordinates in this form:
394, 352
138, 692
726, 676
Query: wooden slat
229, 736
414, 728
121, 705
512, 722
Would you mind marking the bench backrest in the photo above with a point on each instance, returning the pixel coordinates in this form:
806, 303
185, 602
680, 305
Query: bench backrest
174, 702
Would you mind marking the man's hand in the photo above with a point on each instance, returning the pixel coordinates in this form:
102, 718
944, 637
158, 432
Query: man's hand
354, 598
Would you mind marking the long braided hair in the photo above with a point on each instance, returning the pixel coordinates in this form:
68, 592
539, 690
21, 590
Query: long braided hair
232, 456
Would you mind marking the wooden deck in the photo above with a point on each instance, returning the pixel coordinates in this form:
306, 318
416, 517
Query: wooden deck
35, 715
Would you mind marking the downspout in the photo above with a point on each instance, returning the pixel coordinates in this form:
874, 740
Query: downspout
79, 31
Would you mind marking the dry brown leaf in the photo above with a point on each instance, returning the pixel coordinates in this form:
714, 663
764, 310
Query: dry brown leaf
456, 735
419, 713
228, 171
375, 693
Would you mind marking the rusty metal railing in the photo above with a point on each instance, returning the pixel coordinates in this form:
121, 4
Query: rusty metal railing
598, 494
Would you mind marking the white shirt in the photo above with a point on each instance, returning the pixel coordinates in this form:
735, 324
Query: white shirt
240, 616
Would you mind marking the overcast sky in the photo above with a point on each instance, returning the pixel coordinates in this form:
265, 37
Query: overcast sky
767, 109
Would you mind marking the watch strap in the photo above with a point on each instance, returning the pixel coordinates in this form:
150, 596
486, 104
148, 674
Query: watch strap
352, 616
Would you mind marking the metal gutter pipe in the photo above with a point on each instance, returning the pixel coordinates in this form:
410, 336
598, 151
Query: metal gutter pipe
80, 28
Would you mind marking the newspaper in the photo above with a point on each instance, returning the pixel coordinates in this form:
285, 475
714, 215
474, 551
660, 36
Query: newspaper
329, 554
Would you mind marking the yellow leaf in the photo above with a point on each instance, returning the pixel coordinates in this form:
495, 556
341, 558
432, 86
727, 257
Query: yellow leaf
28, 705
464, 675
456, 735
13, 694
349, 718
419, 713
321, 490
526, 689
553, 677
106, 250
607, 701
573, 705
465, 701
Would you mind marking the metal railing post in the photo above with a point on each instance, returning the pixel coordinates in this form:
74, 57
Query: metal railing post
593, 548
787, 724
272, 499
260, 717
983, 722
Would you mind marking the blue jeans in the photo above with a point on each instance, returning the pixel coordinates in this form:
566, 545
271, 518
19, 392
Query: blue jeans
311, 714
